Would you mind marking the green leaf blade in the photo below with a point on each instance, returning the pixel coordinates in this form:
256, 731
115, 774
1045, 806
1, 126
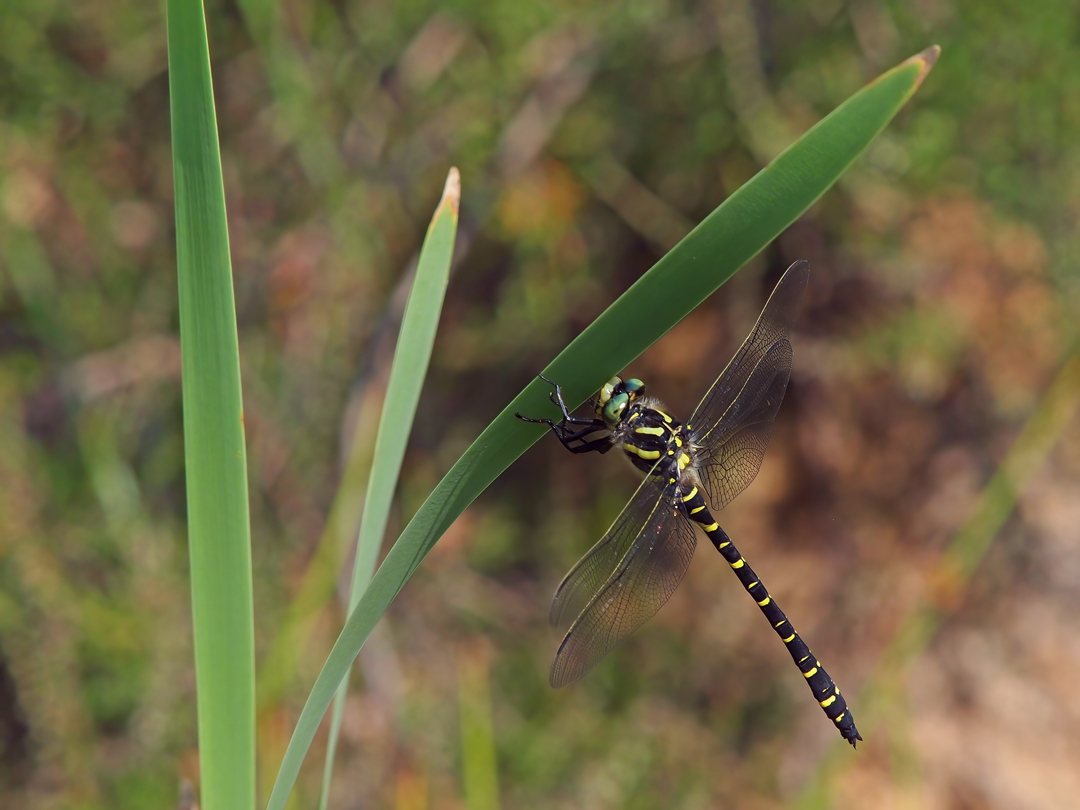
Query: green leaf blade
736, 231
218, 521
411, 359
407, 372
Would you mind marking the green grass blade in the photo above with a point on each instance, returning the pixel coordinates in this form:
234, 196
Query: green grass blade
217, 496
737, 230
411, 359
479, 765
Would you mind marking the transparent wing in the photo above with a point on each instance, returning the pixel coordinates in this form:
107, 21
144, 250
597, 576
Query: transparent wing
733, 423
622, 581
730, 456
590, 573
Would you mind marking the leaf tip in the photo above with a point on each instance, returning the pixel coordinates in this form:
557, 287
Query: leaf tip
927, 59
451, 195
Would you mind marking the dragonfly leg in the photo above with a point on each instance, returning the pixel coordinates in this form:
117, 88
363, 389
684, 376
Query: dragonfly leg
601, 445
562, 428
556, 398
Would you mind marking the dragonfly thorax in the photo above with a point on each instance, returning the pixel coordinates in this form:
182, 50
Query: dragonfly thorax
656, 442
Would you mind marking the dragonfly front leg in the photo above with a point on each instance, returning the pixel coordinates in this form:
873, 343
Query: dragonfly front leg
600, 445
556, 398
563, 428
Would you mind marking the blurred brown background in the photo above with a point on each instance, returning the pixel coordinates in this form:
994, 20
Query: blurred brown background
933, 391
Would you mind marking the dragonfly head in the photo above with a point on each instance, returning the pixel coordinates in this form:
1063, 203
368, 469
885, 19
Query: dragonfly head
614, 398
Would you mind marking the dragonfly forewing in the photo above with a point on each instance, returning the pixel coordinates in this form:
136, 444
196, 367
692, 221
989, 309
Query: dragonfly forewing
730, 455
773, 326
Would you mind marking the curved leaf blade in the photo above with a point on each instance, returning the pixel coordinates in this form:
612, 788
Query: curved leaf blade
411, 358
736, 231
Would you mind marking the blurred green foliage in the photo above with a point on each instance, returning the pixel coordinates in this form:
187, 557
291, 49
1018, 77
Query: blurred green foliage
590, 136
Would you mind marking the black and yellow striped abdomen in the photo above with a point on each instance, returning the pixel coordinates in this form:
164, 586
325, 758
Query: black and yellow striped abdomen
662, 447
820, 682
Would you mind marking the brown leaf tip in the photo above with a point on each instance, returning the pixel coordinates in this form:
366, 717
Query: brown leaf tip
452, 190
927, 58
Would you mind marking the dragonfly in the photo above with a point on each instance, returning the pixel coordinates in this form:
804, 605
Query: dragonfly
640, 561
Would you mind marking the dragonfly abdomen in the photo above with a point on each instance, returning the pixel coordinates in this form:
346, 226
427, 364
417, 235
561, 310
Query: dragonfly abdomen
826, 693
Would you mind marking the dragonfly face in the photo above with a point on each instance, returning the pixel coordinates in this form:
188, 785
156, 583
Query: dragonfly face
615, 397
636, 566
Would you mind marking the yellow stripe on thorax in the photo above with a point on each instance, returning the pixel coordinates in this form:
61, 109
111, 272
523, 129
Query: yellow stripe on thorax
651, 431
648, 455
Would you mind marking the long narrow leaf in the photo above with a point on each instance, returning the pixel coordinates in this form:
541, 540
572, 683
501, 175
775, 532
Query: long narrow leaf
411, 359
217, 495
737, 230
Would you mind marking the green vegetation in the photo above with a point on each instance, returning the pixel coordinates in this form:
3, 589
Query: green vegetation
215, 457
922, 470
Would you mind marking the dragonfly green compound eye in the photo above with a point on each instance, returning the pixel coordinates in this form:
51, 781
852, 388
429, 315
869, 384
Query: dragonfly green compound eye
615, 396
639, 562
604, 396
613, 409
